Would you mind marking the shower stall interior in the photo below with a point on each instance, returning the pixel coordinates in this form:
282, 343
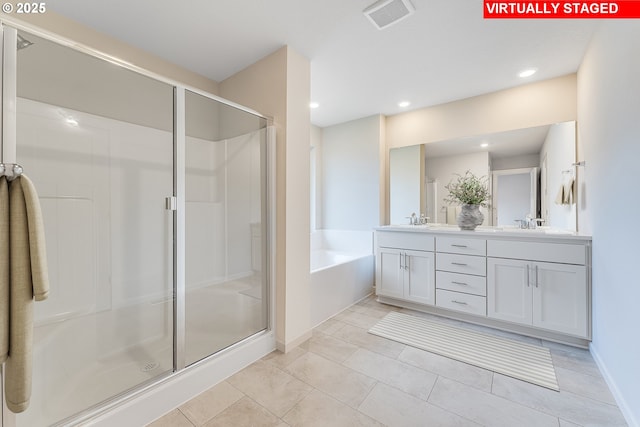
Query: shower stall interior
154, 198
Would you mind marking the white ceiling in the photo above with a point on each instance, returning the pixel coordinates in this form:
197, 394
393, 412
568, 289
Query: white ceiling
443, 52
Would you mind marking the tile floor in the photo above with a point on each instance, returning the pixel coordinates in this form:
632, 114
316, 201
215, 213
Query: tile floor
344, 376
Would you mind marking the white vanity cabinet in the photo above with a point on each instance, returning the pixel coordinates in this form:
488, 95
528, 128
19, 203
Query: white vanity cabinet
405, 267
535, 283
524, 288
461, 267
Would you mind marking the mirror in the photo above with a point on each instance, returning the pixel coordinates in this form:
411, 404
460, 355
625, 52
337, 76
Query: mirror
530, 172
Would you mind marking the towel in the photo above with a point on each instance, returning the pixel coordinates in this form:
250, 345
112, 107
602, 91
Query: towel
565, 194
4, 269
27, 264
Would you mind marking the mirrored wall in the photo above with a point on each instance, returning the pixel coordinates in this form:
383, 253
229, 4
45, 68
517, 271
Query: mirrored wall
99, 141
527, 170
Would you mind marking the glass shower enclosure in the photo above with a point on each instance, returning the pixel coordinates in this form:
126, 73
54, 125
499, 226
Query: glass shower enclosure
154, 200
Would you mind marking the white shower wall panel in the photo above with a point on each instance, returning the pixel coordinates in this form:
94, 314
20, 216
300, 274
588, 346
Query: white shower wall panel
243, 200
89, 178
141, 177
73, 185
205, 254
109, 243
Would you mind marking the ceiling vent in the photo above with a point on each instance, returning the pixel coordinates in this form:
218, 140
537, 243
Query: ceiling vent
385, 13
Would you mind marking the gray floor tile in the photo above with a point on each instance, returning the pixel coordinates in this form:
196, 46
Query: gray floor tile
281, 359
485, 408
393, 407
207, 405
586, 385
580, 362
329, 347
344, 376
357, 319
405, 377
329, 326
245, 412
346, 385
361, 338
271, 387
565, 405
321, 410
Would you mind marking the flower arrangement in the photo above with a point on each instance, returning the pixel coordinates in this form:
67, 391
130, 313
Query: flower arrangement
468, 189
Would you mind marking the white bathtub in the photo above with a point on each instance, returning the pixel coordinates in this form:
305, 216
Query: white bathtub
342, 271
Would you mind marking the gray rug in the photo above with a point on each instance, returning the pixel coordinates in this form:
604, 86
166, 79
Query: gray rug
525, 362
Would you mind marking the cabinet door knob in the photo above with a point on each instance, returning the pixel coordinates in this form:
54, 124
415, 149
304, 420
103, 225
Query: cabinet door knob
536, 268
459, 263
528, 281
459, 283
459, 302
458, 246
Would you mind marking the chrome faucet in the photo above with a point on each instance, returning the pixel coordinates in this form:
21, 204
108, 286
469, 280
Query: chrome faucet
415, 220
529, 222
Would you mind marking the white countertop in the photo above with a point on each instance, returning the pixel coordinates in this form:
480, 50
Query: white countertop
541, 233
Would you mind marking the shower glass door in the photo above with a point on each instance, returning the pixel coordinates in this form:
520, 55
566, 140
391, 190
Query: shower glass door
226, 275
97, 141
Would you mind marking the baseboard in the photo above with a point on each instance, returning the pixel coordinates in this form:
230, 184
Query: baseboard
624, 406
293, 344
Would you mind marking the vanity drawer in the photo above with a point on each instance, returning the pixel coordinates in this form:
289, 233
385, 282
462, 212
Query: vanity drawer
465, 264
472, 304
466, 283
461, 245
565, 253
415, 240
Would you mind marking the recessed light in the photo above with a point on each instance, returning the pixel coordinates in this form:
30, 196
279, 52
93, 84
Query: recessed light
484, 145
528, 72
313, 105
71, 121
404, 104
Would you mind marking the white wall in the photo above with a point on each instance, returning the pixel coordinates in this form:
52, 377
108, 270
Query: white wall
443, 169
608, 132
279, 86
560, 151
351, 175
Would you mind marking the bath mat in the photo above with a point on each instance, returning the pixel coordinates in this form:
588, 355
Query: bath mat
525, 362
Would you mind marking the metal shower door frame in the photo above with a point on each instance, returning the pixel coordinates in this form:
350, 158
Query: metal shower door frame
8, 93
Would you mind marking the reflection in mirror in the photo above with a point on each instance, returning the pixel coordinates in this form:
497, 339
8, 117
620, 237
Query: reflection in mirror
531, 173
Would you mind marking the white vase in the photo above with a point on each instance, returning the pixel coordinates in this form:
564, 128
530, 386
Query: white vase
470, 217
